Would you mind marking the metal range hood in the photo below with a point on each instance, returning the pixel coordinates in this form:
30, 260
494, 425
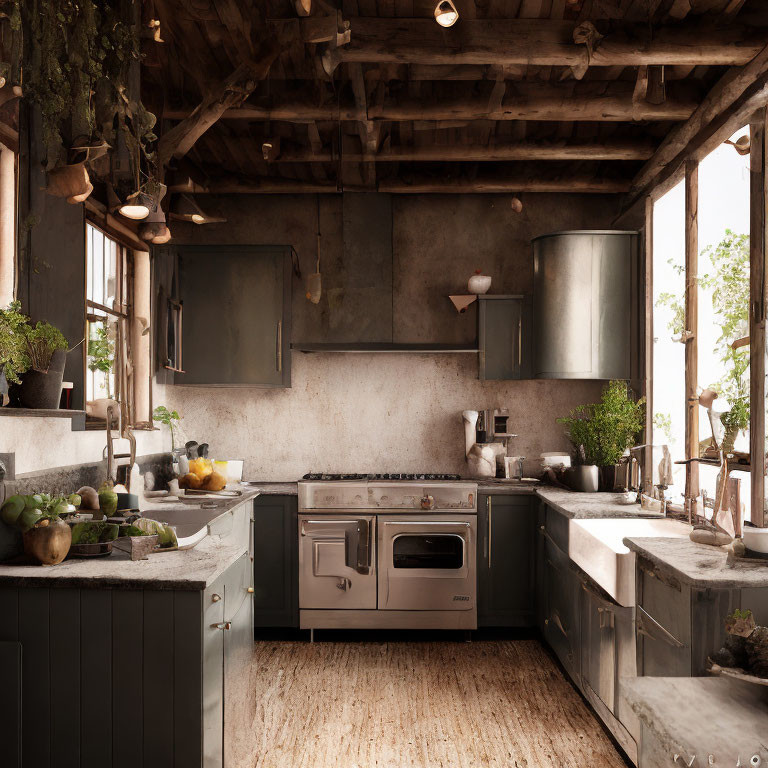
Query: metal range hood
585, 305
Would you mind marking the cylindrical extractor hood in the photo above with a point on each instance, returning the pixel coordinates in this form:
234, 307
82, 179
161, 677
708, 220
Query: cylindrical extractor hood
585, 314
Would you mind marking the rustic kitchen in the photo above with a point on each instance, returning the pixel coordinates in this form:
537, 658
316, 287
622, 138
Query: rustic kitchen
383, 383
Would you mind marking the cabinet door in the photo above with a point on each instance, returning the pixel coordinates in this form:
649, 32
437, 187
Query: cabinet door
213, 673
562, 625
503, 336
275, 562
238, 651
236, 323
506, 561
598, 646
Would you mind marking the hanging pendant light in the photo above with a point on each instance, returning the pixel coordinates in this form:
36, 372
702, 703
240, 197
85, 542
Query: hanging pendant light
446, 14
137, 206
186, 208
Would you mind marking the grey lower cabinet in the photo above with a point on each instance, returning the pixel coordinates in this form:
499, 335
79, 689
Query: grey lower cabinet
236, 328
591, 635
504, 335
506, 561
117, 677
276, 562
679, 625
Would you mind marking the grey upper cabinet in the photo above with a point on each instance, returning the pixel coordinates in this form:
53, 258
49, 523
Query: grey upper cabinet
504, 337
237, 315
585, 305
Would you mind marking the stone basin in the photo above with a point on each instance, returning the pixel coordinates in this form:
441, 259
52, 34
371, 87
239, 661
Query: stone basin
596, 546
191, 521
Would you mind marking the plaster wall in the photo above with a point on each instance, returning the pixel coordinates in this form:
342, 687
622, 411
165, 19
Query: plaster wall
387, 413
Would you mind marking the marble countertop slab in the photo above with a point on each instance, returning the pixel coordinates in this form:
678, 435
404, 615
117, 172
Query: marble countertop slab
702, 716
700, 565
191, 569
590, 505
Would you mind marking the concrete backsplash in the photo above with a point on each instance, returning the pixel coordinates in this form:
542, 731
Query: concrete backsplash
372, 413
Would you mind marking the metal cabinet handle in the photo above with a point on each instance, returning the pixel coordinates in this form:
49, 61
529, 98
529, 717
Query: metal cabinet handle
649, 627
215, 598
250, 590
279, 351
344, 583
222, 625
490, 531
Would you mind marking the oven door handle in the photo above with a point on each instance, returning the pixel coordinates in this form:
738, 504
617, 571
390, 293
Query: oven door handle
427, 522
363, 546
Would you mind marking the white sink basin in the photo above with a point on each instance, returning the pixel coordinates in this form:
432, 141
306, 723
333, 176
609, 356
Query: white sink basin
596, 546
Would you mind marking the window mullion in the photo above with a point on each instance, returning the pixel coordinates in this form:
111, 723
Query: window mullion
757, 313
691, 328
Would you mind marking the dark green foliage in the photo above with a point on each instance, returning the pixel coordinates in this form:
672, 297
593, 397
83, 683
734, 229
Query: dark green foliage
603, 431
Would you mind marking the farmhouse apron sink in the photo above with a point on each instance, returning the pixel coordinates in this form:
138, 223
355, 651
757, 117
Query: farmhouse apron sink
595, 545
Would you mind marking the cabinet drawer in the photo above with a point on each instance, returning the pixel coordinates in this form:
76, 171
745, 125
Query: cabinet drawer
660, 652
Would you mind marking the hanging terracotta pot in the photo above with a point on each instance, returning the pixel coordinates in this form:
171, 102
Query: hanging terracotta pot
71, 182
48, 544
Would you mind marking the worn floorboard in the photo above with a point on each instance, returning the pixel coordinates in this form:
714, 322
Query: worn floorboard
417, 705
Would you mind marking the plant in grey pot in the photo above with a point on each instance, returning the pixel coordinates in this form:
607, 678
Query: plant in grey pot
602, 432
14, 359
47, 351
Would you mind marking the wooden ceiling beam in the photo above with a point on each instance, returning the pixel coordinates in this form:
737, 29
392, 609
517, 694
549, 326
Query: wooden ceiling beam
550, 150
537, 102
723, 96
545, 42
580, 184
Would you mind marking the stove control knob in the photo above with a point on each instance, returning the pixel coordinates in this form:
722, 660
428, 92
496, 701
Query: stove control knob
427, 502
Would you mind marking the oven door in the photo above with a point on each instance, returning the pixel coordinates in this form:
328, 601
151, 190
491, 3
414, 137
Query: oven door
427, 564
337, 563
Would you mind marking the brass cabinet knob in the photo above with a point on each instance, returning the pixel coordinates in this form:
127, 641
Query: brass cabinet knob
222, 625
249, 590
215, 598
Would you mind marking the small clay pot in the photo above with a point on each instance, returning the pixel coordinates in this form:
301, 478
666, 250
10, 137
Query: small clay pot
48, 544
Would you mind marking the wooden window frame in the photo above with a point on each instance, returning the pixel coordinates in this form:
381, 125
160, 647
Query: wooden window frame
758, 128
125, 317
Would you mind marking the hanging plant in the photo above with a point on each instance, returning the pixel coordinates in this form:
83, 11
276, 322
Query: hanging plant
76, 62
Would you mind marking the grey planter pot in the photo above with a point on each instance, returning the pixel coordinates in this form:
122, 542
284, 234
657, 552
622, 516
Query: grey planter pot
42, 390
584, 478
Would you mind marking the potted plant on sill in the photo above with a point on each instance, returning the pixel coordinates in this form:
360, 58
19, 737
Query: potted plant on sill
14, 359
602, 432
101, 358
47, 352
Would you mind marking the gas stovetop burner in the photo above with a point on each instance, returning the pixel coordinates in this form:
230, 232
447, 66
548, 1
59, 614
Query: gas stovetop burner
387, 476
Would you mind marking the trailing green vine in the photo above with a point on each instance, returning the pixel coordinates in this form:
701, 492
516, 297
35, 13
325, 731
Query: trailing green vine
76, 64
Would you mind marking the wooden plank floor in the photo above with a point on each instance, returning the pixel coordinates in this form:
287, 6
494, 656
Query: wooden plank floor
418, 704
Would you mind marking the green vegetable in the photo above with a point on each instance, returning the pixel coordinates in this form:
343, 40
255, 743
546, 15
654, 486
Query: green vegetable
28, 518
35, 501
74, 499
107, 499
11, 510
94, 532
131, 530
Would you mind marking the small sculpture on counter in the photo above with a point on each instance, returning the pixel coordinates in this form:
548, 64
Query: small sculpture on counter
745, 647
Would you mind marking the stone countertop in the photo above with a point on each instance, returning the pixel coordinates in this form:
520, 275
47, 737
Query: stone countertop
702, 716
700, 565
275, 489
590, 505
507, 488
191, 569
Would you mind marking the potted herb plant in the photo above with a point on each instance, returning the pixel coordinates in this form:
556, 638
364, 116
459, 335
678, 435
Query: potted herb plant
602, 432
47, 352
14, 359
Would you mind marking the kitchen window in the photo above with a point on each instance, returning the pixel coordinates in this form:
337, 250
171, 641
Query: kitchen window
117, 357
704, 307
